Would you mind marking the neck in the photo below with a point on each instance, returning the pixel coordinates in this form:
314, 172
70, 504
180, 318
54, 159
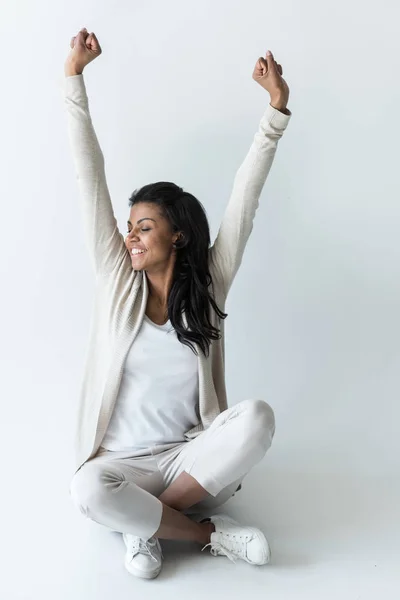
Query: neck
160, 284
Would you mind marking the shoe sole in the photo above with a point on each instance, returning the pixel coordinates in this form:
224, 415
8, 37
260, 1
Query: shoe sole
142, 574
258, 533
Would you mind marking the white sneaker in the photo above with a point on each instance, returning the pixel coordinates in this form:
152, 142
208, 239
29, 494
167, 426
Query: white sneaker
143, 559
234, 541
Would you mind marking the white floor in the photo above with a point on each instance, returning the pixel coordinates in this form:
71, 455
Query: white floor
331, 537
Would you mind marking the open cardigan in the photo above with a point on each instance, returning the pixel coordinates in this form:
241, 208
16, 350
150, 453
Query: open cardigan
121, 292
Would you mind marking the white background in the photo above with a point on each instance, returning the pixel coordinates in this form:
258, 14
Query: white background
313, 323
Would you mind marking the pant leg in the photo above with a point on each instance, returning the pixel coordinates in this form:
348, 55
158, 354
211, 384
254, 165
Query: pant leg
209, 503
120, 493
223, 454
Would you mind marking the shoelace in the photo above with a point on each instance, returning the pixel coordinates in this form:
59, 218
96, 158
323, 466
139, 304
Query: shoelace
137, 545
232, 546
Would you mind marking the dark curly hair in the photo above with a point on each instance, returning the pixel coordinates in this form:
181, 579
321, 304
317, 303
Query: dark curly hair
190, 291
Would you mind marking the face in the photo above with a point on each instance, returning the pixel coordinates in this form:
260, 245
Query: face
150, 237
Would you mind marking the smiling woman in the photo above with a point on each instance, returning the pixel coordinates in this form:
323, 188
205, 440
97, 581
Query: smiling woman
170, 241
155, 435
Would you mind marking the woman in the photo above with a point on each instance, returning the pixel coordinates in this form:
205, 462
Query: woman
155, 438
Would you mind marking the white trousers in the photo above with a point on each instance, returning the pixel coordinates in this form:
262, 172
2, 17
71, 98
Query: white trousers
120, 489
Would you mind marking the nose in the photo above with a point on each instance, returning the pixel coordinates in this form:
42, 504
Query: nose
132, 236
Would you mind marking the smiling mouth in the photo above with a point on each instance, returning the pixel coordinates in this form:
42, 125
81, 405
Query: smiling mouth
135, 252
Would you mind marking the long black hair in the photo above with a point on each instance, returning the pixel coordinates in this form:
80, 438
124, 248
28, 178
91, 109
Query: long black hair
190, 291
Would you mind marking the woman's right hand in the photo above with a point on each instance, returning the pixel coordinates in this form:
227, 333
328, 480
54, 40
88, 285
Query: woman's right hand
85, 47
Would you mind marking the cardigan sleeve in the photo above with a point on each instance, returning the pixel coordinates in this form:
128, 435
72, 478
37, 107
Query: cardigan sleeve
227, 251
104, 240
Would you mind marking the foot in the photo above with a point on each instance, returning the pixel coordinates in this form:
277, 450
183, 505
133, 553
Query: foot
234, 541
143, 559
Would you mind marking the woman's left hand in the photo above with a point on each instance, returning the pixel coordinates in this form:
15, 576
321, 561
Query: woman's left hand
268, 73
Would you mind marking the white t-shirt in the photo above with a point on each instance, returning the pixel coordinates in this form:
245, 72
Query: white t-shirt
158, 397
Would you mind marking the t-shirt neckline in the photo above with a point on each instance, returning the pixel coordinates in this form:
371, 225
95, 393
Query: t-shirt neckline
166, 325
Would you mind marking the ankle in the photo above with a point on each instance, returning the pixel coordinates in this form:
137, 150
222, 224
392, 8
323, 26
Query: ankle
207, 529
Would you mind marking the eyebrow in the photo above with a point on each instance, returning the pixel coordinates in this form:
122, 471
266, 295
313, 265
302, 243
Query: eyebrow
144, 219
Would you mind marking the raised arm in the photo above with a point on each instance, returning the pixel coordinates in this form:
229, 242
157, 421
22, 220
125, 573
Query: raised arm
227, 252
104, 240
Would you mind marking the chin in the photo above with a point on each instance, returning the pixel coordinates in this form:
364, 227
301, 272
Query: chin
138, 267
138, 264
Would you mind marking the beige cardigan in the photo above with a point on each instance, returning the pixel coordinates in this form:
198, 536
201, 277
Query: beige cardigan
121, 292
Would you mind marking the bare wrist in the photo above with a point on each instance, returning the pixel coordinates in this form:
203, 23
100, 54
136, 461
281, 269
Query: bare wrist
279, 105
71, 69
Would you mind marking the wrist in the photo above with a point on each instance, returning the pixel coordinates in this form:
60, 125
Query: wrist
71, 69
279, 100
279, 105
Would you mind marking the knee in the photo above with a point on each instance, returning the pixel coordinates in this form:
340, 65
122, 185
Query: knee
261, 420
87, 488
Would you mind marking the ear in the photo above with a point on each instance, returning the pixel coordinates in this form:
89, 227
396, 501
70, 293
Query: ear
177, 239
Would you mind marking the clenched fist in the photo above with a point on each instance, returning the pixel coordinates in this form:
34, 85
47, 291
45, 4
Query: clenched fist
85, 47
268, 73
